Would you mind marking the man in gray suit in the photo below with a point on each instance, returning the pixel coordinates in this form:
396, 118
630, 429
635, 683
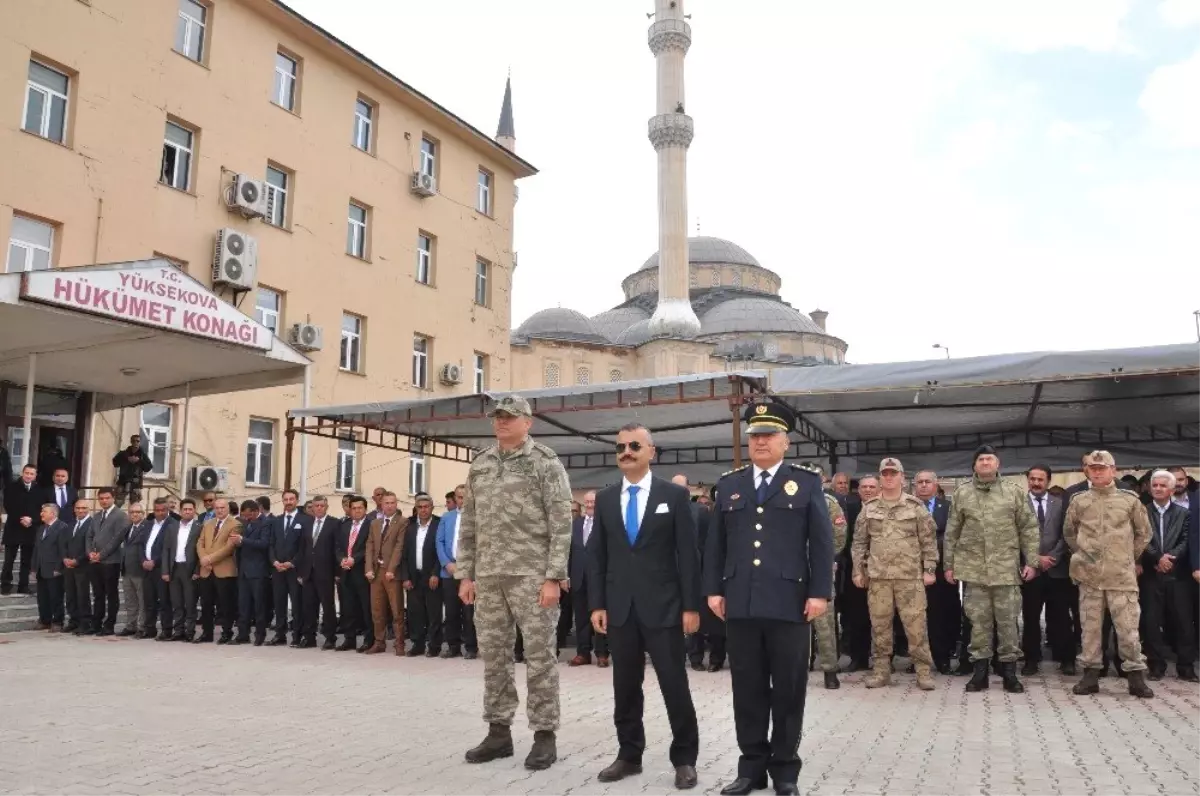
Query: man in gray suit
179, 572
105, 536
1051, 587
77, 577
49, 550
133, 578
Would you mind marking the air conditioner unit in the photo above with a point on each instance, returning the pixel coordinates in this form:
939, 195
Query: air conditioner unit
306, 336
248, 197
423, 184
235, 260
206, 478
451, 374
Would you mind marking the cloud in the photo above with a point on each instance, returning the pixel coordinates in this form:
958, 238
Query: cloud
1169, 101
1180, 13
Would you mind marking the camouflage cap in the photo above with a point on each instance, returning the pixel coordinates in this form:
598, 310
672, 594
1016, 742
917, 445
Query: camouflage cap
891, 464
513, 405
1103, 458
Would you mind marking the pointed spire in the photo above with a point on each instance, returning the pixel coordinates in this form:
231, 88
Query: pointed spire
506, 134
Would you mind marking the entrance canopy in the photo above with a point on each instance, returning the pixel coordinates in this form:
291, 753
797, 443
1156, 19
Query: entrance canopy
134, 332
1142, 404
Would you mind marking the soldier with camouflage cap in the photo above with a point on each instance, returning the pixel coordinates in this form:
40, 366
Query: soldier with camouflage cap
895, 556
991, 523
825, 625
1107, 530
514, 539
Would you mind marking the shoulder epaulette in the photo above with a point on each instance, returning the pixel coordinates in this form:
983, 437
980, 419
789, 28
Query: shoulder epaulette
808, 468
734, 470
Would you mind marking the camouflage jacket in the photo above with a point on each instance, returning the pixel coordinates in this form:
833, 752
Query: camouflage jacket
894, 540
516, 519
838, 518
1107, 529
990, 524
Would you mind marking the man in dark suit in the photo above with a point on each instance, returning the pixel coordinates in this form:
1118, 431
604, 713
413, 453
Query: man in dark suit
421, 570
289, 531
942, 598
1164, 583
133, 577
856, 620
62, 493
1049, 588
77, 582
23, 501
157, 594
577, 566
106, 533
712, 630
644, 592
254, 573
768, 571
318, 568
356, 592
179, 564
460, 617
49, 550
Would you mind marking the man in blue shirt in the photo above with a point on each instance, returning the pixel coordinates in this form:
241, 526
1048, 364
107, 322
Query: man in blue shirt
460, 618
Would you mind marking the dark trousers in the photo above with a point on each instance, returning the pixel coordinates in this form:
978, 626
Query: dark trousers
106, 594
768, 660
324, 589
218, 604
629, 643
1073, 610
253, 596
425, 615
182, 593
566, 616
77, 583
50, 600
943, 619
696, 644
286, 587
460, 618
1051, 594
1166, 599
585, 639
156, 596
357, 597
857, 623
10, 557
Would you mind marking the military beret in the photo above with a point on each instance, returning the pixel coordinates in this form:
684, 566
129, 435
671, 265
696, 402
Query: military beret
983, 450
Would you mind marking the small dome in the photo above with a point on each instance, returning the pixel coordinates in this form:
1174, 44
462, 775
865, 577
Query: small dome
636, 334
615, 321
559, 323
710, 250
756, 315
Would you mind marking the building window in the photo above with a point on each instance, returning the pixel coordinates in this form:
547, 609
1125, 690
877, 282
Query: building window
286, 73
46, 102
583, 375
351, 353
260, 451
716, 277
420, 362
189, 29
364, 115
416, 475
267, 308
30, 245
428, 157
481, 282
693, 278
480, 380
277, 197
356, 231
483, 193
347, 464
16, 444
156, 437
424, 258
177, 157
737, 278
771, 350
614, 375
552, 374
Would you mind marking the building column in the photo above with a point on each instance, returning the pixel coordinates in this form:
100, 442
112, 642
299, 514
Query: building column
30, 386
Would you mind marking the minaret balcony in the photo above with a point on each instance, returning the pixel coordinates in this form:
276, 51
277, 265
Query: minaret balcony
671, 130
669, 34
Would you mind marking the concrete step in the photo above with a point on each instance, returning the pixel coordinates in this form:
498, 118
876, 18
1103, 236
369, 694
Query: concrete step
18, 625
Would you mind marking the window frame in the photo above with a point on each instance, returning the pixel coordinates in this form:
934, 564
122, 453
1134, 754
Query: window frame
484, 185
483, 282
190, 149
418, 476
422, 351
48, 96
428, 163
479, 363
29, 247
259, 443
356, 231
362, 123
261, 313
190, 23
350, 349
274, 192
547, 369
149, 436
346, 463
425, 257
282, 77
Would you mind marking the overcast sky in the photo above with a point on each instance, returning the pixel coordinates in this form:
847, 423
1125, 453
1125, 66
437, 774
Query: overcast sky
992, 176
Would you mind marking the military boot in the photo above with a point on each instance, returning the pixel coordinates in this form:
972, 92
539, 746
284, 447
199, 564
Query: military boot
1090, 684
925, 678
496, 745
1137, 684
831, 681
1008, 673
544, 751
881, 676
979, 680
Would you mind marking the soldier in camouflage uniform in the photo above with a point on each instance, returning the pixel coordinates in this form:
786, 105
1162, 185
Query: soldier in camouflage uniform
825, 625
514, 539
990, 525
1107, 530
895, 557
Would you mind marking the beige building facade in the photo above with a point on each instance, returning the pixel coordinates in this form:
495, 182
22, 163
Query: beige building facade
367, 225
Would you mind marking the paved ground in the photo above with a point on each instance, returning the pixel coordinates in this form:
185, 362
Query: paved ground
121, 716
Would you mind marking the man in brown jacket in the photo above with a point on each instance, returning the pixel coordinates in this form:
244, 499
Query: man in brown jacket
385, 546
1107, 530
217, 573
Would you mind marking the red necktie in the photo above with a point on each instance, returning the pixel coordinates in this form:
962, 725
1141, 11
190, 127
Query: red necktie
353, 536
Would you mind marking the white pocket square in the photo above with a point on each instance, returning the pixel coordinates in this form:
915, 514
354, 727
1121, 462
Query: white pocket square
662, 509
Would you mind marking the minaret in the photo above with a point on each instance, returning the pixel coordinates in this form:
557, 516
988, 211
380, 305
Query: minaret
506, 134
671, 134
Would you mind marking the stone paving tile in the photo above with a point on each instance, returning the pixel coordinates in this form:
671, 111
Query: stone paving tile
141, 717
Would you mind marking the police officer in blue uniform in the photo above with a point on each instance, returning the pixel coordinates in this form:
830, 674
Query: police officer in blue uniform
768, 572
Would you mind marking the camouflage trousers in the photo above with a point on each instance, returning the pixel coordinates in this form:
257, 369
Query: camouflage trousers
993, 608
825, 628
504, 603
885, 598
1125, 611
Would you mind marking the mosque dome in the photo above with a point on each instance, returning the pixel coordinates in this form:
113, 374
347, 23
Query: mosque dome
636, 334
750, 314
710, 250
612, 323
559, 323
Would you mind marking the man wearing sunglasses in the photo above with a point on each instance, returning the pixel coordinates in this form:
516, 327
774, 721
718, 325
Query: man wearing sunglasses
768, 572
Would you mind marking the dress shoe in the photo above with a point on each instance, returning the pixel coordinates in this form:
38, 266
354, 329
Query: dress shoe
328, 645
164, 636
345, 646
432, 653
943, 667
364, 647
143, 634
108, 631
580, 660
126, 632
697, 666
602, 661
55, 629
451, 652
203, 638
685, 777
416, 652
470, 655
1187, 673
376, 648
743, 786
1154, 675
1029, 669
716, 667
1068, 668
225, 638
618, 770
294, 644
258, 642
277, 641
239, 641
308, 644
787, 788
831, 681
178, 637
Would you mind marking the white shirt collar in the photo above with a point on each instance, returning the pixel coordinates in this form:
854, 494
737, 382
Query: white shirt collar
758, 471
1162, 509
643, 485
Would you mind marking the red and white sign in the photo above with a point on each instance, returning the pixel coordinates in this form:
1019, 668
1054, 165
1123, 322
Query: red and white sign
148, 295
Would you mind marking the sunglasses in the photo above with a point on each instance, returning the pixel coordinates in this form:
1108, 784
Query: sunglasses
633, 446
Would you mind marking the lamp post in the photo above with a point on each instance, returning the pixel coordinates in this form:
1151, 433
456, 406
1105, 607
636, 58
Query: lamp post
947, 348
1197, 314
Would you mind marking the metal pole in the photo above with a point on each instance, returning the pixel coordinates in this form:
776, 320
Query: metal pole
289, 438
735, 405
187, 417
27, 427
304, 399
